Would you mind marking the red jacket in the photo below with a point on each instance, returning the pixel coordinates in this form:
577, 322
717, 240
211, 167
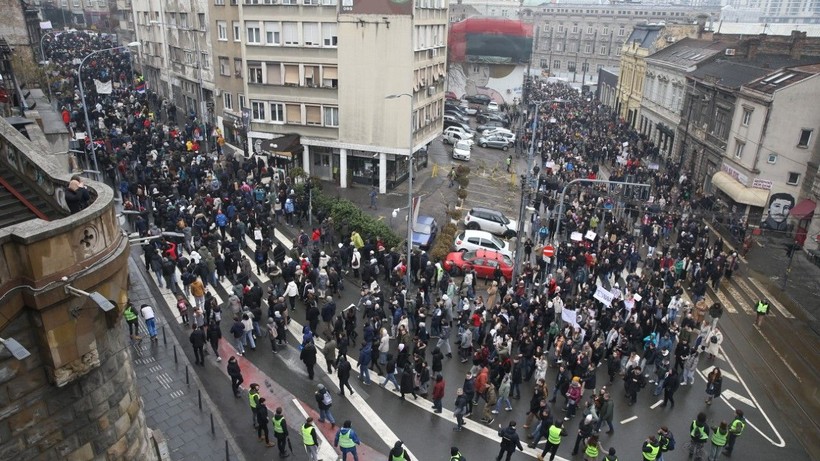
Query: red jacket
438, 390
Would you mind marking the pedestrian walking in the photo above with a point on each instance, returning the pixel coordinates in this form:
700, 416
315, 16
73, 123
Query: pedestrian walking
308, 357
556, 431
611, 455
214, 334
253, 400
150, 321
132, 319
670, 386
504, 394
365, 355
238, 332
735, 430
699, 433
273, 333
310, 438
666, 440
236, 376
585, 429
280, 431
346, 439
761, 309
324, 401
408, 379
592, 449
714, 385
509, 164
373, 194
460, 409
606, 413
390, 373
198, 340
438, 393
720, 434
262, 422
455, 455
343, 369
398, 452
509, 441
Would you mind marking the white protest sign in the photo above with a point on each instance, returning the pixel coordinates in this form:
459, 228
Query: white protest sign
576, 237
603, 295
590, 235
570, 317
257, 234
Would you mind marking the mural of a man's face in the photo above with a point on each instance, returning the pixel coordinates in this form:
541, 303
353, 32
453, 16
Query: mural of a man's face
779, 210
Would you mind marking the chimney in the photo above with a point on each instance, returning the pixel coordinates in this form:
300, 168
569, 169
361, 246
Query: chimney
701, 22
798, 40
751, 49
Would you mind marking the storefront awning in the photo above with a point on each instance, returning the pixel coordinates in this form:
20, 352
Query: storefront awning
803, 210
738, 192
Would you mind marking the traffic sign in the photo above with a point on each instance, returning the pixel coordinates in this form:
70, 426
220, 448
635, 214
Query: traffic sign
549, 251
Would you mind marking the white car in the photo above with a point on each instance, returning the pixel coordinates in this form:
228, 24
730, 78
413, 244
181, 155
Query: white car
455, 129
493, 106
461, 151
471, 240
503, 132
465, 106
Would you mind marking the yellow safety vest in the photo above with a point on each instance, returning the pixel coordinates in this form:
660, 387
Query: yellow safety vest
251, 399
129, 314
762, 307
651, 456
400, 457
278, 426
345, 441
554, 436
719, 438
592, 451
698, 432
737, 427
307, 435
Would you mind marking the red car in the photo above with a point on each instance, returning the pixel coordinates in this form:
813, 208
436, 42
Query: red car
483, 261
450, 95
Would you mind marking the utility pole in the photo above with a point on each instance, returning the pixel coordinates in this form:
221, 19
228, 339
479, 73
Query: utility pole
525, 184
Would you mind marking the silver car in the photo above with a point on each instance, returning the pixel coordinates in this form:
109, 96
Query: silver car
496, 142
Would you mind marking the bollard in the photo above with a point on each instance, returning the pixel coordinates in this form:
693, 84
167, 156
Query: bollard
187, 381
199, 397
227, 455
164, 337
213, 432
175, 354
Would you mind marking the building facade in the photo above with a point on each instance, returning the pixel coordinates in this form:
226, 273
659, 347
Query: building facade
321, 71
664, 89
574, 41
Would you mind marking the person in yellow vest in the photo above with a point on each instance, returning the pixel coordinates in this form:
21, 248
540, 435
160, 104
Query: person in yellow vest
132, 319
398, 452
610, 456
253, 401
346, 439
280, 431
720, 434
762, 309
735, 429
311, 440
556, 431
651, 448
456, 455
593, 449
699, 433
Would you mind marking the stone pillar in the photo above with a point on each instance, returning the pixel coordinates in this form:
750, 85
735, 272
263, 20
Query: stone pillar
343, 168
382, 173
306, 160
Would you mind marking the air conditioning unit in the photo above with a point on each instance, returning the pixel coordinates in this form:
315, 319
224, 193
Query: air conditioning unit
431, 90
218, 92
730, 52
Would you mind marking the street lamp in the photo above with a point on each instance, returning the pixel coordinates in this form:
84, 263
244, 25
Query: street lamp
409, 181
85, 107
43, 61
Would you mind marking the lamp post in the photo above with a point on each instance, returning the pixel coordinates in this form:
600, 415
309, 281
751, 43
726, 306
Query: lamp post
525, 184
409, 181
85, 107
43, 60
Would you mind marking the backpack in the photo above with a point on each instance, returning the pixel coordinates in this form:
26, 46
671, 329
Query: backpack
671, 445
326, 398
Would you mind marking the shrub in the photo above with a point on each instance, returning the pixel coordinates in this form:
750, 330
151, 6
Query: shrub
344, 210
443, 243
461, 193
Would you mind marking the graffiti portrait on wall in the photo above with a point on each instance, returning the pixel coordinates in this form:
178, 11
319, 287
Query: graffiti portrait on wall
780, 205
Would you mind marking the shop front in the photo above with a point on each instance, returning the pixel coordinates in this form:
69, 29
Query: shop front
361, 167
283, 153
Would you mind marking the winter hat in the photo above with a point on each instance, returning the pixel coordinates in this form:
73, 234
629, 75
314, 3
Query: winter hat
320, 386
270, 319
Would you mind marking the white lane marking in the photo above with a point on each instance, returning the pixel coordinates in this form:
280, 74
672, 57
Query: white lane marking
629, 420
775, 305
724, 300
737, 298
730, 394
656, 404
779, 355
780, 442
326, 450
283, 239
723, 373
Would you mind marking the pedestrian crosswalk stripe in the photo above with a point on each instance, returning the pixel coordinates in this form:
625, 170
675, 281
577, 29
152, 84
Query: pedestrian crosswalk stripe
738, 298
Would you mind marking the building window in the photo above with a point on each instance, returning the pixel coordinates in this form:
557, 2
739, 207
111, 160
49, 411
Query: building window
545, 64
242, 103
311, 2
258, 110
219, 2
560, 28
575, 28
621, 31
290, 33
311, 76
254, 32
772, 159
237, 68
202, 21
794, 178
588, 48
747, 117
294, 114
556, 64
255, 74
329, 34
590, 29
292, 74
310, 33
585, 67
605, 30
602, 50
330, 77
227, 101
558, 46
222, 31
183, 20
273, 33
331, 116
805, 138
739, 146
571, 66
224, 66
277, 112
313, 115
237, 31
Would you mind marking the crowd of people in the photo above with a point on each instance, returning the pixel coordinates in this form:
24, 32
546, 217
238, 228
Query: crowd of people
547, 332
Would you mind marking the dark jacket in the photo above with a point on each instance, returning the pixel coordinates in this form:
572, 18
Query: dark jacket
308, 354
198, 338
510, 439
407, 380
233, 369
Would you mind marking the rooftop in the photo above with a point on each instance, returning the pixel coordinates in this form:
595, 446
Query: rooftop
734, 71
812, 30
782, 78
689, 52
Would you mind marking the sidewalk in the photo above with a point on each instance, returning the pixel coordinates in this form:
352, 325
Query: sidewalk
172, 406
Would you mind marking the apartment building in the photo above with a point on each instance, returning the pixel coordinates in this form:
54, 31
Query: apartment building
176, 57
305, 82
574, 41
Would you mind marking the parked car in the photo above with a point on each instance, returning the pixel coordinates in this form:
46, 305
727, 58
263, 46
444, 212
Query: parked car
467, 109
461, 151
490, 125
493, 106
425, 230
471, 240
483, 261
452, 137
503, 132
482, 99
491, 221
456, 115
449, 123
468, 133
485, 117
450, 95
496, 142
456, 106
